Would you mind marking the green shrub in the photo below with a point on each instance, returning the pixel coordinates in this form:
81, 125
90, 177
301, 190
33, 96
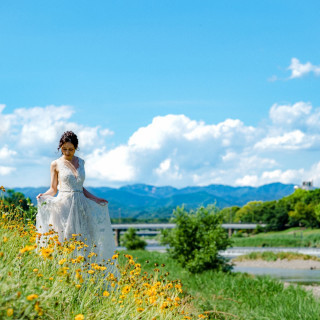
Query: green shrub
132, 241
197, 238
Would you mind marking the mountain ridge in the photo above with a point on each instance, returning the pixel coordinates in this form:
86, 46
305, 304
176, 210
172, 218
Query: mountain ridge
143, 201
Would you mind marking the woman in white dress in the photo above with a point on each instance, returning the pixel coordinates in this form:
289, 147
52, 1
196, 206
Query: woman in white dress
75, 210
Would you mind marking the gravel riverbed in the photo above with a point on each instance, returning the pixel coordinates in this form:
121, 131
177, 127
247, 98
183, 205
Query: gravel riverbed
283, 264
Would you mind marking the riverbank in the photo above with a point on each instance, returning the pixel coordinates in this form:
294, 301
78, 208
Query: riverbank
293, 237
236, 295
282, 264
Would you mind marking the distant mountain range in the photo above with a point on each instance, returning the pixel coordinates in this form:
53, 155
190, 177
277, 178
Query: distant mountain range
145, 201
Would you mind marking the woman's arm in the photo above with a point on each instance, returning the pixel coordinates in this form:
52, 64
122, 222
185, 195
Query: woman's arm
54, 181
94, 198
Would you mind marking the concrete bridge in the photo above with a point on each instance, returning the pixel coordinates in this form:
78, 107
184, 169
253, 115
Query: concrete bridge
153, 228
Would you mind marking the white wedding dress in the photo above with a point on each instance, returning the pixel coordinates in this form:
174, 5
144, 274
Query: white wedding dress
72, 213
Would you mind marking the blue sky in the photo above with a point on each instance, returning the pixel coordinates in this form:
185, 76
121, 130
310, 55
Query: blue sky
110, 69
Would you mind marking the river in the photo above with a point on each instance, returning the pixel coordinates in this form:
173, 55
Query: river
288, 275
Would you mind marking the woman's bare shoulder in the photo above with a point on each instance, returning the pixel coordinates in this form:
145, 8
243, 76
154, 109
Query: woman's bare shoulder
54, 164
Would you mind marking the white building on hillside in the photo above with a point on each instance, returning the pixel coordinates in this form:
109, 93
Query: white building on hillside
306, 185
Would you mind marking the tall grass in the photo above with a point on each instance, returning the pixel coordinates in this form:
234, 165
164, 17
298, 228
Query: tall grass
237, 295
63, 281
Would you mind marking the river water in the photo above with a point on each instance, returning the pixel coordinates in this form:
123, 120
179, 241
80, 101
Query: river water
288, 275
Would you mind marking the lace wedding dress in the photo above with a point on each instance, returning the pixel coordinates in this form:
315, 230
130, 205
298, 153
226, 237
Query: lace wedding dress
72, 213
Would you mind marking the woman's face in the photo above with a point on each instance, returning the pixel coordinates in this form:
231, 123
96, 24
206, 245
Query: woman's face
68, 150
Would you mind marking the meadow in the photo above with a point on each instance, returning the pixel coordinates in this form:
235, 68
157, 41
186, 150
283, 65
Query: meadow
293, 237
236, 295
41, 278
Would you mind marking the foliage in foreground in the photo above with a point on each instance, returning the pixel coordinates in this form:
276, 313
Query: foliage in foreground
196, 239
24, 206
274, 256
237, 296
132, 241
56, 281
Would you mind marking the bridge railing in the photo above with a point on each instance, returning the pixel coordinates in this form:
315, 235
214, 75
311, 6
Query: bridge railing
158, 226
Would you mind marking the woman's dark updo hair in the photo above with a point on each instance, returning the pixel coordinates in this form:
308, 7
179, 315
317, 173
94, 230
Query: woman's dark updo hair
68, 136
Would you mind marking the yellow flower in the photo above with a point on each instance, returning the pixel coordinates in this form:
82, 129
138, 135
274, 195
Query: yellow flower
140, 309
35, 270
38, 309
62, 261
152, 299
106, 294
115, 256
126, 289
47, 253
79, 317
9, 312
78, 286
27, 248
51, 278
31, 297
164, 305
5, 239
91, 271
91, 254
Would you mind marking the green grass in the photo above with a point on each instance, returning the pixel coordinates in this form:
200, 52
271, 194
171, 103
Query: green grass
273, 256
293, 237
58, 282
236, 295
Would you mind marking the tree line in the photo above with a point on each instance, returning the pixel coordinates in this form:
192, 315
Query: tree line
302, 208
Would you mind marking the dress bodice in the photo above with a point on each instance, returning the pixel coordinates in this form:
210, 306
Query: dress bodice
68, 180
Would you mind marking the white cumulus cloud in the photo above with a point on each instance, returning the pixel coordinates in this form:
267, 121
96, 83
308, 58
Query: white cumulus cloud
293, 140
5, 170
299, 69
171, 150
6, 153
290, 114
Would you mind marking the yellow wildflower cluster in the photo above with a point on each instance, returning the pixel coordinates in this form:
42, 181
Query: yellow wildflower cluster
49, 272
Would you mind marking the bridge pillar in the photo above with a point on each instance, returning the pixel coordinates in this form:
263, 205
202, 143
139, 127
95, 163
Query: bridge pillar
117, 237
230, 232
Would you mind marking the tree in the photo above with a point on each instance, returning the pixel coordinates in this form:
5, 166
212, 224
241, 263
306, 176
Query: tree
251, 212
197, 238
229, 214
132, 241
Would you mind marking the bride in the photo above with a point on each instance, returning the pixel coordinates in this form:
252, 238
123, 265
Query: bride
75, 210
